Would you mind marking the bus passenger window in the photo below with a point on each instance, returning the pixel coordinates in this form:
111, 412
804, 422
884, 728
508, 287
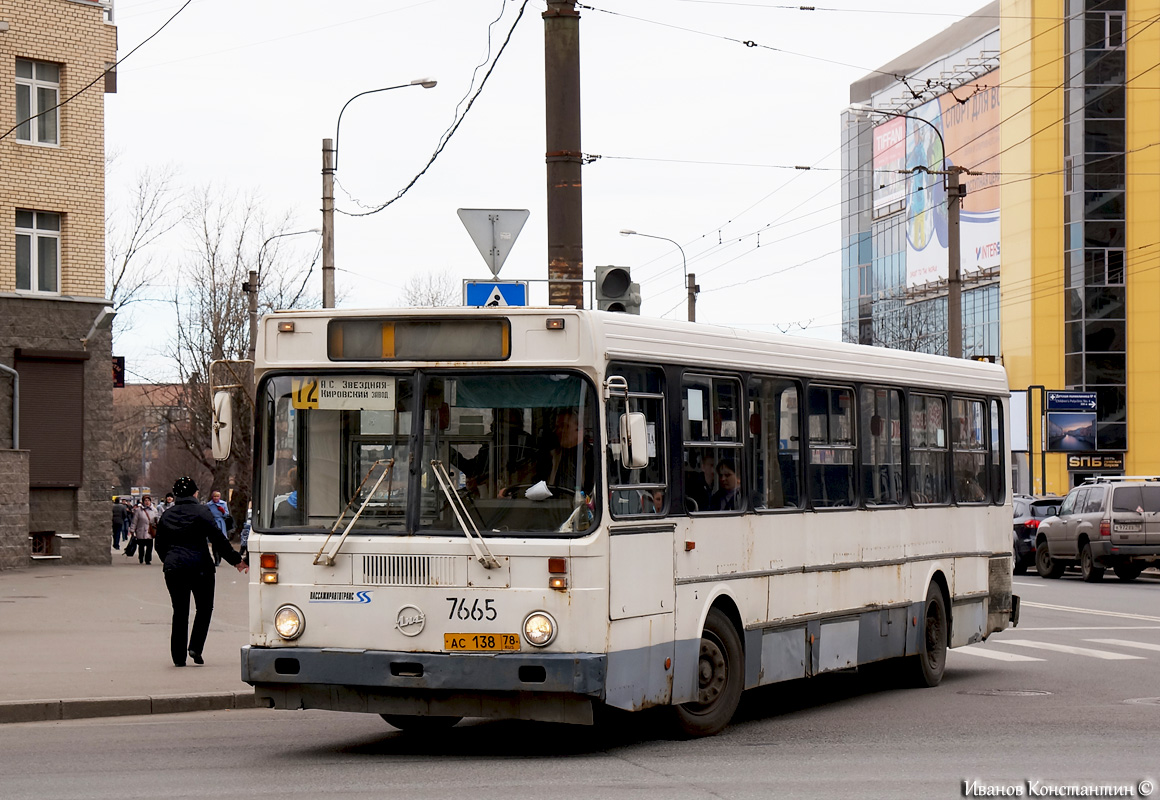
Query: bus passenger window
714, 449
929, 482
773, 432
832, 447
998, 487
881, 446
971, 435
634, 492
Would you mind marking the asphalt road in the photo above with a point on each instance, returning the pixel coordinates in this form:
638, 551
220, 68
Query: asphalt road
1070, 697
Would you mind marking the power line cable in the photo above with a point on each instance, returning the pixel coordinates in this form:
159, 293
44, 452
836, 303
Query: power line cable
446, 137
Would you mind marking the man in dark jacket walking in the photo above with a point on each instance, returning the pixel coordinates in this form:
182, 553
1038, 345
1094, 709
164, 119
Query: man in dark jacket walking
185, 534
120, 514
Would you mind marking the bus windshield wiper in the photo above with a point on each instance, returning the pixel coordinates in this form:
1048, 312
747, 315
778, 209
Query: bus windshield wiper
389, 469
478, 546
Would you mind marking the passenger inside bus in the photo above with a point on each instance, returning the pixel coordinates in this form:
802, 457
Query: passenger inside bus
565, 456
700, 483
514, 454
728, 496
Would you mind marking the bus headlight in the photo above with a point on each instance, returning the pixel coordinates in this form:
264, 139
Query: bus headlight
539, 628
289, 622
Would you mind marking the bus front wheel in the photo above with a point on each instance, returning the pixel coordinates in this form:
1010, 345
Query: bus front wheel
929, 664
412, 724
720, 679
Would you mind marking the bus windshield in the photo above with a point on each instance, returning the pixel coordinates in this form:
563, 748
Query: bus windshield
518, 448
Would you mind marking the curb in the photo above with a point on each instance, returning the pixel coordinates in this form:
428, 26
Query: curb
88, 707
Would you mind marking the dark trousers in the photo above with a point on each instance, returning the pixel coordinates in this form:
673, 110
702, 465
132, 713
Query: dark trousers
145, 551
116, 536
182, 584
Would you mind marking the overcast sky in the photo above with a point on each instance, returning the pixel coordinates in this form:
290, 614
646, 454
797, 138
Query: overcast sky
698, 135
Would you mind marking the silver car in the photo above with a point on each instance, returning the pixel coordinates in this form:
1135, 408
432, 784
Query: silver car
1106, 522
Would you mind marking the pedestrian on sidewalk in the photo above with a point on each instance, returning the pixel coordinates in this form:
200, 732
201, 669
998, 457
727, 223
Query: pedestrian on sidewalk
185, 534
130, 541
143, 528
221, 515
120, 514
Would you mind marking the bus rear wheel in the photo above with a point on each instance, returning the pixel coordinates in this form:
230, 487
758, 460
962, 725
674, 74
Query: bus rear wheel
413, 724
720, 679
929, 664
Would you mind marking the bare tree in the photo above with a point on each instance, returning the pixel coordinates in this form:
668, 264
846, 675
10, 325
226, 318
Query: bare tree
212, 324
130, 233
427, 290
919, 327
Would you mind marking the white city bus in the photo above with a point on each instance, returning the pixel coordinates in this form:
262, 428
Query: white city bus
528, 513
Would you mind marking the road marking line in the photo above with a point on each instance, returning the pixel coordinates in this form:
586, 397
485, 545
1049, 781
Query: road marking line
998, 655
1094, 628
1091, 611
1076, 651
1126, 643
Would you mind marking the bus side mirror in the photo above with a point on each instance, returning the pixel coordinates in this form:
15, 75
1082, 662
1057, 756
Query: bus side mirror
223, 425
633, 440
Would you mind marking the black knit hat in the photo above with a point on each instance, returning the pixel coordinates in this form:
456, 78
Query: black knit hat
184, 487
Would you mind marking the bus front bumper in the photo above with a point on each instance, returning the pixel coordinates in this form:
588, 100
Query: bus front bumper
542, 686
575, 673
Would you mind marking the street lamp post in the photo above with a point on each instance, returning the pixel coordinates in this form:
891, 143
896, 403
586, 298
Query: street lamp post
690, 278
250, 287
329, 166
954, 202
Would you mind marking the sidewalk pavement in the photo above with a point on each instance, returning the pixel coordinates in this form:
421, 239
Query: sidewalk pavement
93, 641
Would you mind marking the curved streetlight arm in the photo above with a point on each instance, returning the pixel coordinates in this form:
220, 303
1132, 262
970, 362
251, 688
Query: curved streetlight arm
251, 286
933, 127
684, 262
426, 83
262, 249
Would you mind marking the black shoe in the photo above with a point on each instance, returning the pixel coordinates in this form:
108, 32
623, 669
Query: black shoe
197, 659
176, 664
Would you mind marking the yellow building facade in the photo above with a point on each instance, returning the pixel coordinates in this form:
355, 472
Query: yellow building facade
1080, 218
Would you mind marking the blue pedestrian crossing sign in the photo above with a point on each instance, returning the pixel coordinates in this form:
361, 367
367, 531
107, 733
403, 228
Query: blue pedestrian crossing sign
495, 294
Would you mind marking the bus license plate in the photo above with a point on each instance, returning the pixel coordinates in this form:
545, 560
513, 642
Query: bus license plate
481, 642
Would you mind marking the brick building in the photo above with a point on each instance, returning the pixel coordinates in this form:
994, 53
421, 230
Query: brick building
54, 338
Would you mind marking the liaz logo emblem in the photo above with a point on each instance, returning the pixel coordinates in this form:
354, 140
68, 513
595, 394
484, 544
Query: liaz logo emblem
341, 597
410, 620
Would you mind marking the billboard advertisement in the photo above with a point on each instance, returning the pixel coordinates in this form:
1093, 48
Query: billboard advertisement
970, 129
889, 162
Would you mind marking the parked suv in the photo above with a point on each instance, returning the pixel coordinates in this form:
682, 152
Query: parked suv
1030, 510
1106, 522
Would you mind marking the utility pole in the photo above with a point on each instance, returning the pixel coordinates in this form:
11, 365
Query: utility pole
328, 223
954, 257
563, 154
691, 282
251, 289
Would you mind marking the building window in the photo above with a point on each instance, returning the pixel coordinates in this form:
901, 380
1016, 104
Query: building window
1105, 30
37, 96
37, 251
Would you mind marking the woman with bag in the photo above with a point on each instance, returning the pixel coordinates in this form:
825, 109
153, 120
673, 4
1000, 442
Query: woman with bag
143, 528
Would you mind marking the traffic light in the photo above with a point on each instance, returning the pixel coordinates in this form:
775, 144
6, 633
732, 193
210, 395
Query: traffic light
615, 290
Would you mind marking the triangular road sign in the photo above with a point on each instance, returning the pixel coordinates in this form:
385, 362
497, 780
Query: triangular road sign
495, 299
494, 231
